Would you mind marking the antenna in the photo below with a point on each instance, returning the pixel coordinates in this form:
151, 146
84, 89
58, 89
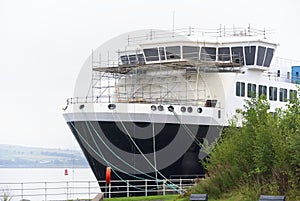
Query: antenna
173, 23
249, 30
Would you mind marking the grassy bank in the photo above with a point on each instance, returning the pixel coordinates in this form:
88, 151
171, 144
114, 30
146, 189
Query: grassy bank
228, 197
233, 196
148, 198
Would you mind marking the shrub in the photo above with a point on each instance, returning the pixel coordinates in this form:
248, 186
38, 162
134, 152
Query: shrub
262, 156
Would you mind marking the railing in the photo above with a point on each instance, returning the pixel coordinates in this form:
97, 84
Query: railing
131, 188
60, 190
105, 99
87, 190
222, 31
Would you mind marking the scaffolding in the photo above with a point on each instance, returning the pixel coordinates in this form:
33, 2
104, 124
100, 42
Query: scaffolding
174, 82
130, 76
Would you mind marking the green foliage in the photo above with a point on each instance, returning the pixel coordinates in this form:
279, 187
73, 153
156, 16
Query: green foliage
262, 156
6, 195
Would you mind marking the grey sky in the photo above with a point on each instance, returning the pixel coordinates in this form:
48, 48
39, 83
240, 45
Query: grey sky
43, 44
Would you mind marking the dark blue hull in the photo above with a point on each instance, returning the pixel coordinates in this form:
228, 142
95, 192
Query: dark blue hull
138, 150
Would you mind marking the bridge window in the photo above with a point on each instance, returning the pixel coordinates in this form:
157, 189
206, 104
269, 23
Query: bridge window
237, 55
262, 90
223, 54
260, 55
132, 59
190, 52
208, 53
140, 58
162, 53
240, 89
124, 59
269, 57
283, 95
250, 54
251, 90
293, 94
173, 52
273, 93
151, 54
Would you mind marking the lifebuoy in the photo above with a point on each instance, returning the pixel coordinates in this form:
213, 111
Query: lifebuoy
108, 175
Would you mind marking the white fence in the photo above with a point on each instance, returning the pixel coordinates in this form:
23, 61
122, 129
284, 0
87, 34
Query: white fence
60, 190
87, 190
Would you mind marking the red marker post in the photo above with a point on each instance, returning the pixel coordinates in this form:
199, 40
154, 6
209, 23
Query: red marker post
108, 178
66, 172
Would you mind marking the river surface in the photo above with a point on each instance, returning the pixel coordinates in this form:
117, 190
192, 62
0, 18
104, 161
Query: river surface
45, 174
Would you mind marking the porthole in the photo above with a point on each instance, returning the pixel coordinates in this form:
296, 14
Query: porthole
190, 109
81, 107
153, 107
199, 110
183, 109
171, 108
160, 108
111, 106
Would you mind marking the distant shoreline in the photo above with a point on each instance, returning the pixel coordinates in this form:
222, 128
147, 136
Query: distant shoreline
12, 156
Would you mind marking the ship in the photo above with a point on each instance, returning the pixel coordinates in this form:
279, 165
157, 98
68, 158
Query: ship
146, 101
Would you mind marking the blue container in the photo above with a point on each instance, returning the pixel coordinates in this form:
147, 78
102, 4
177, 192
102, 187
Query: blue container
296, 74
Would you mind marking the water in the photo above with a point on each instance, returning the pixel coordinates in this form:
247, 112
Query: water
45, 174
47, 183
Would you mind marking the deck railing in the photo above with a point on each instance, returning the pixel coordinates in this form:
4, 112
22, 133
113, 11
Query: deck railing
113, 99
87, 190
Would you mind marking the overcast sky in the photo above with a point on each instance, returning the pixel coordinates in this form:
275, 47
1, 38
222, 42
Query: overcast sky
43, 44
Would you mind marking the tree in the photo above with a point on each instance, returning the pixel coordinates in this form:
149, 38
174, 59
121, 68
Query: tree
263, 155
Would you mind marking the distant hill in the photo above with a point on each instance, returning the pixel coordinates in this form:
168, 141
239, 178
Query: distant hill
12, 156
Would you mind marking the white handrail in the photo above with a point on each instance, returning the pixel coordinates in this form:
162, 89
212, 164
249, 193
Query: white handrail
73, 190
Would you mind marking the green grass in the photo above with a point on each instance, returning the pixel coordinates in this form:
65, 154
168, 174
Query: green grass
228, 197
148, 198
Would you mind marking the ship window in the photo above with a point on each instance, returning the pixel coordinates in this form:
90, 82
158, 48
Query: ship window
282, 95
151, 54
250, 54
288, 75
140, 58
240, 89
251, 90
190, 52
223, 54
293, 94
208, 54
237, 55
269, 57
262, 90
124, 59
162, 53
173, 52
260, 55
132, 59
273, 93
